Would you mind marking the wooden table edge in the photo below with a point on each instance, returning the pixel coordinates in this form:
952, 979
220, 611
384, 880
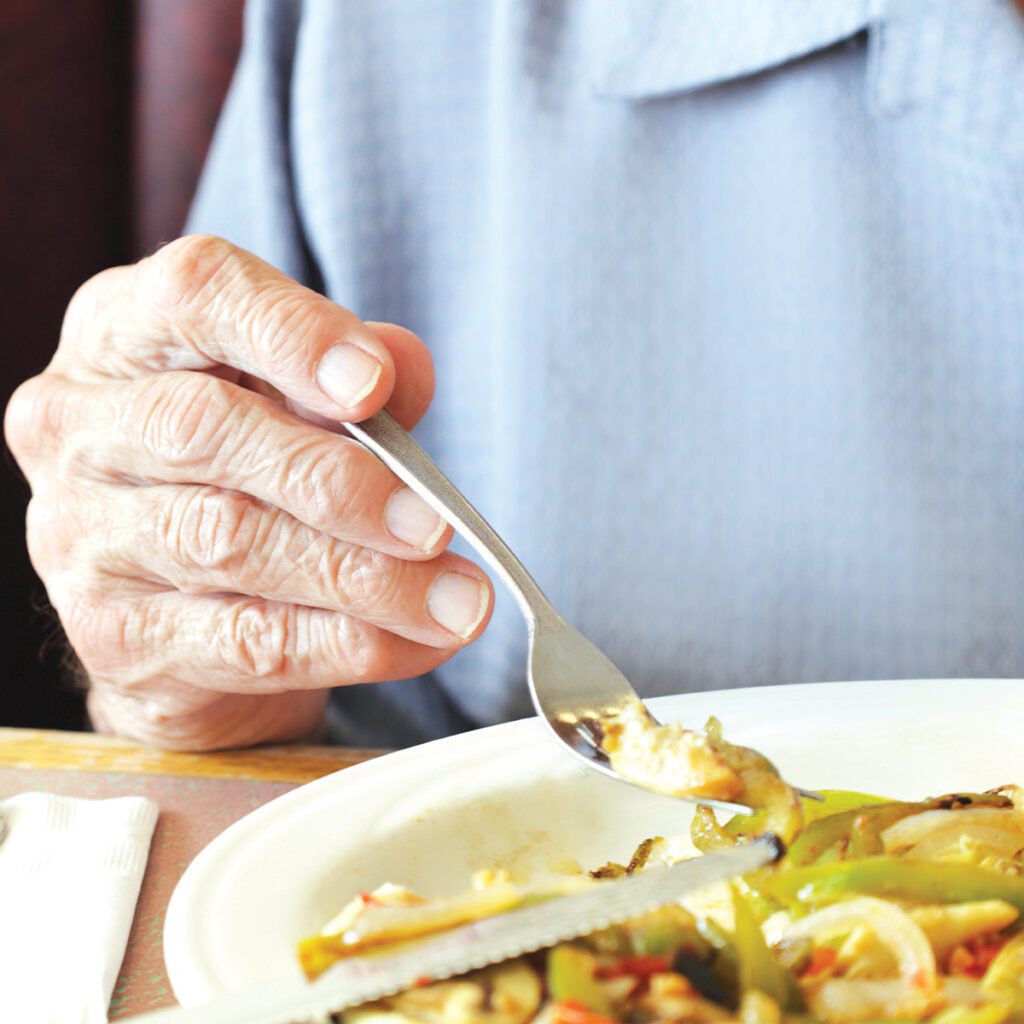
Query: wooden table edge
90, 752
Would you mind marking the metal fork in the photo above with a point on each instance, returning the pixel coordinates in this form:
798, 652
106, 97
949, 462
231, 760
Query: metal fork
573, 685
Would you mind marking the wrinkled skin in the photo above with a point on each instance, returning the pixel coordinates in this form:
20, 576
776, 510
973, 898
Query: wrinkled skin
218, 552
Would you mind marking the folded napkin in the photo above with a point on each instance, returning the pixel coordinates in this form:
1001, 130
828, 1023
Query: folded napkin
70, 871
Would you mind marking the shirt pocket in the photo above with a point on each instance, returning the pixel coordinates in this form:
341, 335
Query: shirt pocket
952, 66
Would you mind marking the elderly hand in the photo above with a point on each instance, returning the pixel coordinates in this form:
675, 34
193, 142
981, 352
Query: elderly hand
217, 555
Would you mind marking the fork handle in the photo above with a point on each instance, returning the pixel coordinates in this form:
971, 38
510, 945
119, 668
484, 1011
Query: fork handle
397, 449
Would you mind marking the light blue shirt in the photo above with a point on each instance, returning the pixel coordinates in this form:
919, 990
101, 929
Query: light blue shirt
726, 299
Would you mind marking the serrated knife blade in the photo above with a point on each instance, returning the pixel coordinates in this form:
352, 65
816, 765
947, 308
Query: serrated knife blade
361, 979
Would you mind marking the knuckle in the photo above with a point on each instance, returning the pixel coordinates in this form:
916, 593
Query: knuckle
84, 312
182, 419
256, 639
27, 412
362, 651
288, 329
211, 530
331, 482
370, 581
105, 634
186, 269
39, 416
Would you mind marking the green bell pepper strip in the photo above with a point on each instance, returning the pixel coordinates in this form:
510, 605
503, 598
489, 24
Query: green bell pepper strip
888, 877
820, 836
570, 977
705, 832
865, 838
833, 801
724, 963
666, 931
860, 828
658, 933
758, 969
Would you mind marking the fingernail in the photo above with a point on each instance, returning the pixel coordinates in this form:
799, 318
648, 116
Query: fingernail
458, 602
348, 374
410, 519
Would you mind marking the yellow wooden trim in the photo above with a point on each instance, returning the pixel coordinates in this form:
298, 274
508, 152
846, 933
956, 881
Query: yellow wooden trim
89, 752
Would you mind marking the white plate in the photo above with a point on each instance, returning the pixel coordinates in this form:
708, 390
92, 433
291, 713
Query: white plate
508, 796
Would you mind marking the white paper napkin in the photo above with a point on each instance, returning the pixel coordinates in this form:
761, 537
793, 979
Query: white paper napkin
70, 871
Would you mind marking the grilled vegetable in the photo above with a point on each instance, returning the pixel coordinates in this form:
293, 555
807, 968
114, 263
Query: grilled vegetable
891, 927
956, 924
572, 977
707, 834
758, 969
1004, 980
882, 909
892, 878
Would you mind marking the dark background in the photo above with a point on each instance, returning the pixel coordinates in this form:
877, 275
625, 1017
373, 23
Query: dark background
106, 114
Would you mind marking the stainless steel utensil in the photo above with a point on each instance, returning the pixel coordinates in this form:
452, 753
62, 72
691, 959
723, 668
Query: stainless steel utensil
359, 979
573, 685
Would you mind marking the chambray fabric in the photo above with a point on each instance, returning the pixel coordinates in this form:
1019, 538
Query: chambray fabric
726, 299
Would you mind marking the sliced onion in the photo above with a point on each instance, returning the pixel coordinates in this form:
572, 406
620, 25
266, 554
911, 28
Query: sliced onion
382, 924
943, 841
774, 926
957, 990
841, 1000
910, 831
895, 929
386, 895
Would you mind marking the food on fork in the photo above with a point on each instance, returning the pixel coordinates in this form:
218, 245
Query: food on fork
677, 761
670, 759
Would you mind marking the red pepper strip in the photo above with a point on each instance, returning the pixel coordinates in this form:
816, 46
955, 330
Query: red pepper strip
984, 957
568, 1011
822, 960
974, 958
639, 966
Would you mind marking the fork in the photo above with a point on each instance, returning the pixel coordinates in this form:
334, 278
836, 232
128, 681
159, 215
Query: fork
573, 685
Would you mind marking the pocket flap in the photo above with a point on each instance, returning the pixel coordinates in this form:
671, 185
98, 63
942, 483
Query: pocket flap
651, 48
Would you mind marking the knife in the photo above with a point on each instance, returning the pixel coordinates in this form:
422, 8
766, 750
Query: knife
360, 979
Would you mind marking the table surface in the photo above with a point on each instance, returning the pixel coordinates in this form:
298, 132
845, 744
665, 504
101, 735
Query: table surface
199, 795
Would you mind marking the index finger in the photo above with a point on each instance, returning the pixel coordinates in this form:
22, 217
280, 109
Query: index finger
201, 302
